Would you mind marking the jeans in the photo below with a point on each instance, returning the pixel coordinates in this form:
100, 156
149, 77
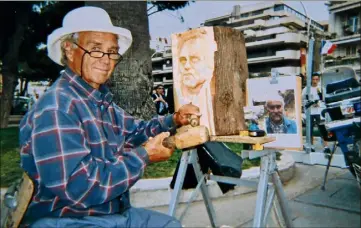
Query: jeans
133, 217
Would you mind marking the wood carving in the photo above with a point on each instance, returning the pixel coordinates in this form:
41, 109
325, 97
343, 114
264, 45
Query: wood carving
210, 71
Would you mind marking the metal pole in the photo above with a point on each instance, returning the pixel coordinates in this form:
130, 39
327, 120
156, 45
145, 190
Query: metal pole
309, 75
308, 89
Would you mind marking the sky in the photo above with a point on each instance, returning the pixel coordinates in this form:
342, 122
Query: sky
163, 24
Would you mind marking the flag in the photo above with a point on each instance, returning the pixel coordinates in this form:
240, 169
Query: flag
327, 47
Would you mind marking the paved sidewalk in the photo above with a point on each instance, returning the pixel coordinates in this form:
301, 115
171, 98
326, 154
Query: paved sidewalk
338, 206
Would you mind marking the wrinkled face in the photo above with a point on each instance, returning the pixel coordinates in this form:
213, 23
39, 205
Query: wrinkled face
95, 71
315, 80
192, 64
275, 110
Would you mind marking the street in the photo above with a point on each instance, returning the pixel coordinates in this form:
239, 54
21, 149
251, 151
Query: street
338, 206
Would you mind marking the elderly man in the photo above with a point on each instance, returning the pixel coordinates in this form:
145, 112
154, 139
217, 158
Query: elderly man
277, 122
82, 151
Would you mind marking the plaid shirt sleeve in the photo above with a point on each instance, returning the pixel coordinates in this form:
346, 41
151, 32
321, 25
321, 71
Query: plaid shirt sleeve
68, 169
138, 131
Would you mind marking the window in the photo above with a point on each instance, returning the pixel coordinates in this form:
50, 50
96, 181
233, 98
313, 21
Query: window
278, 7
243, 15
353, 22
258, 12
350, 50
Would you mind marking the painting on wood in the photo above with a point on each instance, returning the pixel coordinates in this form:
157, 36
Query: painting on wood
210, 71
279, 108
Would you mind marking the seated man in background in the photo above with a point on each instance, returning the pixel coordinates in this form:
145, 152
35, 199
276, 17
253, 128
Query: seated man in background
159, 100
81, 150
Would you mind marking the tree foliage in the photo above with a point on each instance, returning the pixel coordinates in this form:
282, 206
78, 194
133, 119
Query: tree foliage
43, 18
158, 6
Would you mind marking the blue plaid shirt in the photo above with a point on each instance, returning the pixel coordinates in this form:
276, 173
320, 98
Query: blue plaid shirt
82, 151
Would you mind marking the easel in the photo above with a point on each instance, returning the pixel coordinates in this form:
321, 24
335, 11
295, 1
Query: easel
265, 191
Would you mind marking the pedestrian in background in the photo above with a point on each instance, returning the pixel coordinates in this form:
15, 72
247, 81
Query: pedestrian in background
159, 100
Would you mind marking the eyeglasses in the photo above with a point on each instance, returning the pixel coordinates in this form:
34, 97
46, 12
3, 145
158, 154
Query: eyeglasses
100, 54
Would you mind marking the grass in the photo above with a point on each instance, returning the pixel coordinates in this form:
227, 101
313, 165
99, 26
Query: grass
10, 169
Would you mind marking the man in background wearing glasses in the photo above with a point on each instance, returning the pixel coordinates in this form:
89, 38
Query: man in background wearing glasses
159, 100
81, 150
277, 122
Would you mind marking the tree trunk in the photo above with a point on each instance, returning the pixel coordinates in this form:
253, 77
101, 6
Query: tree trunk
10, 68
132, 79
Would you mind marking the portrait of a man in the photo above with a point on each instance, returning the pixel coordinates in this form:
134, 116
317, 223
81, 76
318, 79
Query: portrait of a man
193, 67
277, 122
281, 103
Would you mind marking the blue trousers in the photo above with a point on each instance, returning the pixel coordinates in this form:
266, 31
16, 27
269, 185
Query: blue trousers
133, 217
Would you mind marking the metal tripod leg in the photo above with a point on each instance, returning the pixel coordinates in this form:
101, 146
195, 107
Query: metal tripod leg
178, 183
204, 189
268, 167
328, 165
261, 192
281, 197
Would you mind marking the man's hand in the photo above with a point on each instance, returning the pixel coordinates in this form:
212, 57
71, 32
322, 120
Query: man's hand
182, 117
156, 151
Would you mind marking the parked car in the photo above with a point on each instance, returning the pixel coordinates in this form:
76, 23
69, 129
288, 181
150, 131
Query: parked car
20, 105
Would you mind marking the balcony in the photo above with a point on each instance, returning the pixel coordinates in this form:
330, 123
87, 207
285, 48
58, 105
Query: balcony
278, 56
347, 5
165, 70
350, 60
347, 38
280, 39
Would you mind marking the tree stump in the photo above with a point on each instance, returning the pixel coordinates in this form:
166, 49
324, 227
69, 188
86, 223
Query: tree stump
210, 71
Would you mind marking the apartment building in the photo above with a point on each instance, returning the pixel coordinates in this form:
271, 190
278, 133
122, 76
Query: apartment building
162, 67
345, 29
275, 35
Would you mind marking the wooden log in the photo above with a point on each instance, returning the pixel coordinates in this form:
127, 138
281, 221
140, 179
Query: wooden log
192, 136
210, 71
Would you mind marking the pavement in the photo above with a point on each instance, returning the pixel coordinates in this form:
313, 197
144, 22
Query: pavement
337, 206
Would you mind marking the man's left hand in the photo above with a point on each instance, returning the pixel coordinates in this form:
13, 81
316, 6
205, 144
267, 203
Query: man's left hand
182, 117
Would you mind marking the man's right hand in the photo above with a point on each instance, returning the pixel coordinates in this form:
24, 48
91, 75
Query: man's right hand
156, 151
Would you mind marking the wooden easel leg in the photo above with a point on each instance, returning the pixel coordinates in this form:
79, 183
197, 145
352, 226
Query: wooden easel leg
178, 183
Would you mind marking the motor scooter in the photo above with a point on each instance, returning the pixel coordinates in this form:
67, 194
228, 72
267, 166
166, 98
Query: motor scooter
342, 116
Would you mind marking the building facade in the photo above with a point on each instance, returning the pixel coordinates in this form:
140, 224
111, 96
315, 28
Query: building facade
345, 30
275, 36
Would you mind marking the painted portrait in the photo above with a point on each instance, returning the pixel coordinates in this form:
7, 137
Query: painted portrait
279, 108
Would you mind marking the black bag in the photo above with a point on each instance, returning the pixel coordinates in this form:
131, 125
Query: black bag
219, 159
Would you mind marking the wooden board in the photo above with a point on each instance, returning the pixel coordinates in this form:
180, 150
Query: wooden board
243, 139
210, 71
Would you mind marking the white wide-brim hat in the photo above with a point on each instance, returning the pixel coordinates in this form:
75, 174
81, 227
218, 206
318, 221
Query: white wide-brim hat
83, 19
